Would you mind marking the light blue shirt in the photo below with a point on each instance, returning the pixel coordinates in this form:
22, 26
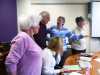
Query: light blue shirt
65, 34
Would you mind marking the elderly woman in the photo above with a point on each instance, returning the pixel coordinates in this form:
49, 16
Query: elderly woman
50, 54
25, 56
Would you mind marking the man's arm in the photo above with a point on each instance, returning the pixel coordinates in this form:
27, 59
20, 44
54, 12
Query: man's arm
74, 36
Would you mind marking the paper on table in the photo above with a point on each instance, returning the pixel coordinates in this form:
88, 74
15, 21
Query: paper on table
97, 59
84, 64
85, 58
99, 71
72, 67
75, 73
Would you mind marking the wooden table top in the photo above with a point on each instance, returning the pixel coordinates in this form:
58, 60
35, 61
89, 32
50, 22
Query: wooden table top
72, 60
95, 65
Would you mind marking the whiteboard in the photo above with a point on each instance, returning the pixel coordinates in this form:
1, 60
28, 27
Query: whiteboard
96, 19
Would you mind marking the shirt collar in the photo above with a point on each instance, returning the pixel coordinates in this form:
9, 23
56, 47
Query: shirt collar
60, 28
53, 52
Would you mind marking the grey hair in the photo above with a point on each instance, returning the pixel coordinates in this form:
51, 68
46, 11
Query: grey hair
44, 13
26, 22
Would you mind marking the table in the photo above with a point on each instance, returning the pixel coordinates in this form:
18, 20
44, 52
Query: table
95, 65
72, 60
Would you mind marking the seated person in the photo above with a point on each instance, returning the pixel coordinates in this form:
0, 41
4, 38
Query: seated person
49, 56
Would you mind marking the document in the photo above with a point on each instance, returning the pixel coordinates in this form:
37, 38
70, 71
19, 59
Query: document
97, 59
71, 68
73, 73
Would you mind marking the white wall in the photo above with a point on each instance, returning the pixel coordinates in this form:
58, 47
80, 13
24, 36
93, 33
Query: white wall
95, 44
23, 8
68, 11
96, 19
61, 1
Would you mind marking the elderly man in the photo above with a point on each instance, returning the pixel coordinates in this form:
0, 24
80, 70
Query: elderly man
41, 37
25, 56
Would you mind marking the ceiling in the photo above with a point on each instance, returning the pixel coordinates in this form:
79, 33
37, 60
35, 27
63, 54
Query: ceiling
62, 1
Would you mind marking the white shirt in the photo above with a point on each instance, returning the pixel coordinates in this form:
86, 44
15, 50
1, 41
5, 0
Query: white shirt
80, 44
49, 63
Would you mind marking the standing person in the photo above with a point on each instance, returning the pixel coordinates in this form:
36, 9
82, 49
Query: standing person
25, 56
54, 47
79, 46
65, 34
41, 37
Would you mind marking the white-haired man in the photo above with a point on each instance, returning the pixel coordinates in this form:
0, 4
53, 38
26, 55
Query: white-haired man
25, 56
41, 37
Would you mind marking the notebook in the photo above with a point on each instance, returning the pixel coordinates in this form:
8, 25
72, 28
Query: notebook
71, 68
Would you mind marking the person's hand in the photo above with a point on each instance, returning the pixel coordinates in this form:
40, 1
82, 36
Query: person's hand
86, 35
62, 70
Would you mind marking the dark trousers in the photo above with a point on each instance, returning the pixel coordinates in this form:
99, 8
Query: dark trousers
63, 58
74, 51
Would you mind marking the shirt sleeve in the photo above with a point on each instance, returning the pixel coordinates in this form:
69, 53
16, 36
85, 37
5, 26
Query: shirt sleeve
49, 33
48, 67
58, 59
16, 52
74, 36
49, 30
